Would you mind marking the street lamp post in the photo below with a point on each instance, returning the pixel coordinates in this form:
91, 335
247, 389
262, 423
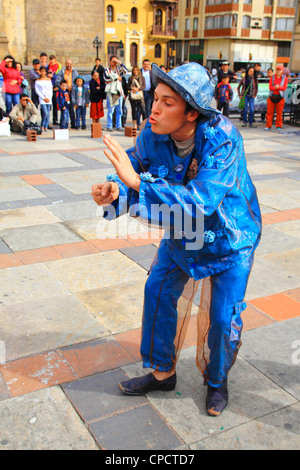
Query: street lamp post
97, 44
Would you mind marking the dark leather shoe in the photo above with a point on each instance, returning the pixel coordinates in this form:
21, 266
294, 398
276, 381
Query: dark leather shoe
147, 383
216, 400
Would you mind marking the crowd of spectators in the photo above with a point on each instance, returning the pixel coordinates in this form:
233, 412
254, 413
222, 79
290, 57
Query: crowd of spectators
63, 90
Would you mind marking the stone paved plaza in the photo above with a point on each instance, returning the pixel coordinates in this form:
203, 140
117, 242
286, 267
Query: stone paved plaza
71, 299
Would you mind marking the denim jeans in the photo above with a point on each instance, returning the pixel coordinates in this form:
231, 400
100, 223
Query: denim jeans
249, 100
45, 112
80, 113
115, 109
148, 98
64, 118
11, 99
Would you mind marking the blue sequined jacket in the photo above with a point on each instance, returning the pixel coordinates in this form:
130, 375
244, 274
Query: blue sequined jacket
219, 192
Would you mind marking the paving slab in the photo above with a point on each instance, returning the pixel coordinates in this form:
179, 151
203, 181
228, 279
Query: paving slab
81, 181
274, 241
274, 351
290, 228
138, 429
251, 393
38, 236
266, 279
74, 210
119, 307
98, 396
94, 271
282, 426
24, 217
25, 283
13, 182
17, 163
62, 321
22, 193
43, 420
120, 227
287, 259
4, 248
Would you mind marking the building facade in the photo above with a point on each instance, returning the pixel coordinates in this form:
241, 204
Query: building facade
139, 29
239, 31
295, 52
166, 32
29, 27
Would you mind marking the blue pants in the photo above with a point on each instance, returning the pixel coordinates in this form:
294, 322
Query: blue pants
118, 109
249, 101
80, 114
64, 118
163, 288
11, 99
45, 112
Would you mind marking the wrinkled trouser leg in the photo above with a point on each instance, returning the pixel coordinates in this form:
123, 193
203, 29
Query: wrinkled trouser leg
228, 291
163, 288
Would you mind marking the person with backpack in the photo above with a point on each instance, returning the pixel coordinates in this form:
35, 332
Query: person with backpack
81, 99
277, 85
223, 94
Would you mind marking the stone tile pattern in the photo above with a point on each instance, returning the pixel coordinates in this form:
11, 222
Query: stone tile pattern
48, 234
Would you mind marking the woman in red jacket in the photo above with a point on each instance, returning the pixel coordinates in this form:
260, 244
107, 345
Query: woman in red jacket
278, 84
11, 82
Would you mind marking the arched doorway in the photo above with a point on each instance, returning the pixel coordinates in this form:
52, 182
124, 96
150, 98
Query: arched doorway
133, 54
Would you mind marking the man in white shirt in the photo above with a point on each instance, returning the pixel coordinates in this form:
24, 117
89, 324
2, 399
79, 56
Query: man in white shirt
148, 91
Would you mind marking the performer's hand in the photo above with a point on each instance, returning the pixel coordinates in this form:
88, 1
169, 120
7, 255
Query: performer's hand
106, 193
122, 163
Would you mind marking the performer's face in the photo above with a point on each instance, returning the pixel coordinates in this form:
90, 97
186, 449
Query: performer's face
168, 113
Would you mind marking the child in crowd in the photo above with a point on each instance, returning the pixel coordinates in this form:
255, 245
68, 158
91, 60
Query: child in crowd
97, 95
43, 88
81, 99
53, 68
63, 104
223, 95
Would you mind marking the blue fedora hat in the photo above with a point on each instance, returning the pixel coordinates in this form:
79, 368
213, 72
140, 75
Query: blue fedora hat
192, 82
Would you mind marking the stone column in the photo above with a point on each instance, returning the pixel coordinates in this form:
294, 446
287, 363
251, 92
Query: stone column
127, 48
141, 48
3, 38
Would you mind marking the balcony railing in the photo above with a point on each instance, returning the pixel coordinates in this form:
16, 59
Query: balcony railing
159, 30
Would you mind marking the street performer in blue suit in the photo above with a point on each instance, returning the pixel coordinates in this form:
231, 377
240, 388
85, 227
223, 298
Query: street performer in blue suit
187, 174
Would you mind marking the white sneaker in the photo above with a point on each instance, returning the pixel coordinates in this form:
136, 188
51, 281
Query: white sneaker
267, 128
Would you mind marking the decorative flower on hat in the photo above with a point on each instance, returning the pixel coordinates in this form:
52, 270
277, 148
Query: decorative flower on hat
147, 177
163, 171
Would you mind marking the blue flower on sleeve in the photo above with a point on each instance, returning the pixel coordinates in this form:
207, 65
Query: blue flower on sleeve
147, 177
